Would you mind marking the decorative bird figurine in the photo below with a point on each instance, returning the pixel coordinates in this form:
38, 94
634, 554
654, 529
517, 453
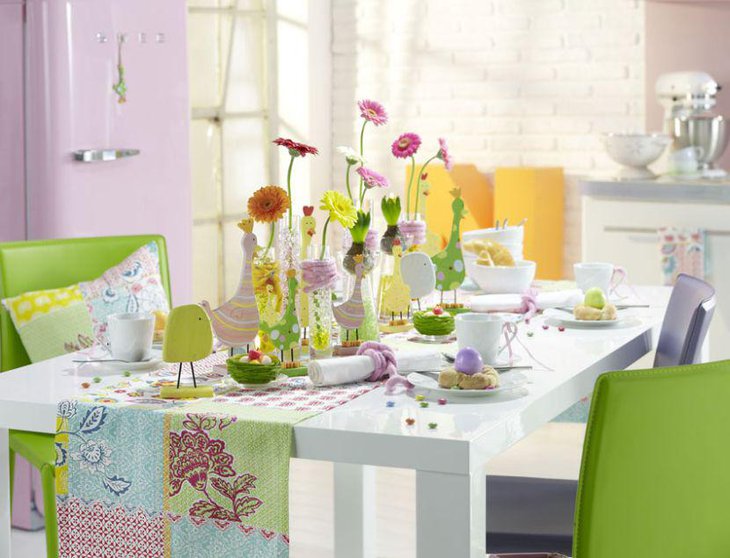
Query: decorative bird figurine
397, 295
236, 322
308, 228
450, 272
188, 337
351, 313
284, 333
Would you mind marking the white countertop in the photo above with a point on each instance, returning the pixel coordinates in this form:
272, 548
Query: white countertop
663, 189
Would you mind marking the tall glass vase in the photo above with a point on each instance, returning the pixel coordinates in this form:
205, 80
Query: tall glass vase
320, 271
288, 247
269, 294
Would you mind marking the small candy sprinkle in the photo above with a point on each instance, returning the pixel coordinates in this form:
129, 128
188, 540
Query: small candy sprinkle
423, 404
433, 425
455, 387
530, 333
442, 401
527, 321
410, 421
420, 397
390, 403
545, 327
97, 380
561, 328
86, 385
127, 374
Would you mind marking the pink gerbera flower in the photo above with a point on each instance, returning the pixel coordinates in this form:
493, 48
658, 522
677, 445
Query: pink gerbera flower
372, 179
406, 145
373, 111
295, 148
444, 154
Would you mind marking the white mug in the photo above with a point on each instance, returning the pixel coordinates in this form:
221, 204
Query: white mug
594, 274
130, 335
686, 160
481, 332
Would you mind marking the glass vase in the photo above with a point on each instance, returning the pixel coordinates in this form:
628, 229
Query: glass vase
320, 334
269, 295
368, 330
288, 247
389, 236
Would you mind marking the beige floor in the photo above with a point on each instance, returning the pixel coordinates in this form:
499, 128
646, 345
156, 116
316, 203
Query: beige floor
551, 452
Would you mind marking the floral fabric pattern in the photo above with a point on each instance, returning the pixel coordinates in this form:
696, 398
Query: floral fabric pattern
142, 480
682, 251
134, 285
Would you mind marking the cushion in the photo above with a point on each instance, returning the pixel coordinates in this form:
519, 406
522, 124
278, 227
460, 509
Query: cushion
51, 322
133, 285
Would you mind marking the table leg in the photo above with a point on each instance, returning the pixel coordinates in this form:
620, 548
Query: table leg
450, 515
4, 494
354, 511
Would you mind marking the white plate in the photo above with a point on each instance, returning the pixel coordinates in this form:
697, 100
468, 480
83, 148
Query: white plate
508, 381
566, 319
503, 359
101, 368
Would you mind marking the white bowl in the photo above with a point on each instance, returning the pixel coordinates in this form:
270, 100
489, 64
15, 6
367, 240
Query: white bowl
634, 152
510, 237
502, 279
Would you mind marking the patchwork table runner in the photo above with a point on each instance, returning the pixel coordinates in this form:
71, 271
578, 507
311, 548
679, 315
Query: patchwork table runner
141, 477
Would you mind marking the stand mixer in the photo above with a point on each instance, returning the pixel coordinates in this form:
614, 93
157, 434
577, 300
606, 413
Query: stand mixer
688, 99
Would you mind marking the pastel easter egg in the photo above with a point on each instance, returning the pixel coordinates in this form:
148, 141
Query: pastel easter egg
468, 361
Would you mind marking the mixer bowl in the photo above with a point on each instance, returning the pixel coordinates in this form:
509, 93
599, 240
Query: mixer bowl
635, 151
707, 132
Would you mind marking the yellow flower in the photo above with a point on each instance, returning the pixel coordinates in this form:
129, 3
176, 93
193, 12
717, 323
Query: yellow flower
339, 207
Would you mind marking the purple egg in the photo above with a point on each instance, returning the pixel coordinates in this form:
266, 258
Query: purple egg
468, 361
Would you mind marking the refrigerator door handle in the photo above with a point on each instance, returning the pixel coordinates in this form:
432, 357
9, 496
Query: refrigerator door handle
94, 155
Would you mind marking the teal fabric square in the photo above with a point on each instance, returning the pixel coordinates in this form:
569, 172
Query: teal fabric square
210, 541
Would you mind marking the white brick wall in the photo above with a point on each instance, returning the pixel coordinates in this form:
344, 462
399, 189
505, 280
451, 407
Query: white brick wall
508, 82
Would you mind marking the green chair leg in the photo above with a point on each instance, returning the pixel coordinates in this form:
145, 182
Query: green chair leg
48, 480
12, 478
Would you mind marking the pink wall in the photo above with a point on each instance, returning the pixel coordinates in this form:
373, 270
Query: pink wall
12, 193
687, 35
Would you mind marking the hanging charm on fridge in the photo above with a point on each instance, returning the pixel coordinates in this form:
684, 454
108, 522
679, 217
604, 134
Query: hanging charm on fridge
120, 87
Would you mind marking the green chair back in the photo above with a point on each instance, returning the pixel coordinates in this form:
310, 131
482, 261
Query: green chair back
48, 264
655, 476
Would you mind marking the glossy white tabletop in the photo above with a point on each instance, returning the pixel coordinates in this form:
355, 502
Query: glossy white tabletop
366, 431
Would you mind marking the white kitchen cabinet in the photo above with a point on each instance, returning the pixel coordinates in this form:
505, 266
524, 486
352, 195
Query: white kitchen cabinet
620, 223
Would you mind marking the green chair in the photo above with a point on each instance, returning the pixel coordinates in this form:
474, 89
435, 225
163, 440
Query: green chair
47, 264
654, 479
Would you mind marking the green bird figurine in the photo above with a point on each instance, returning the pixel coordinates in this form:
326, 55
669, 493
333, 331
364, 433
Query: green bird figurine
449, 263
188, 337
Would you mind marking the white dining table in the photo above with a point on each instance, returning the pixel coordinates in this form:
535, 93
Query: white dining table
449, 460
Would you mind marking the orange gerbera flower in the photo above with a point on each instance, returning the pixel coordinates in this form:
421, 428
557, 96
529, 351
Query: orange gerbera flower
268, 204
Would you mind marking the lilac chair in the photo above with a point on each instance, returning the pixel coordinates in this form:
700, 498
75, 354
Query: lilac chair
531, 514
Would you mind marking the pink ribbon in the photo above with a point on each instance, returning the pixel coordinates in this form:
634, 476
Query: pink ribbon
318, 274
385, 364
529, 303
413, 230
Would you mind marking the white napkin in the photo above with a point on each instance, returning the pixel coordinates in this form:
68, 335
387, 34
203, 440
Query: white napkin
513, 302
351, 369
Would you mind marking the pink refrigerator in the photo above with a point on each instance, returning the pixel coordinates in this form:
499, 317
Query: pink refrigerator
94, 124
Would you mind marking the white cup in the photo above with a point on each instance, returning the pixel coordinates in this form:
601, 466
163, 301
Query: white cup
130, 335
481, 332
594, 274
686, 160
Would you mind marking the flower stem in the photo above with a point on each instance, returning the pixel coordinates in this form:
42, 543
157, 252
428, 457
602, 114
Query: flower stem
271, 240
324, 238
347, 182
410, 183
288, 190
418, 184
362, 150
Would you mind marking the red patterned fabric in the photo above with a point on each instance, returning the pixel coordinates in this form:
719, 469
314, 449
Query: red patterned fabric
85, 528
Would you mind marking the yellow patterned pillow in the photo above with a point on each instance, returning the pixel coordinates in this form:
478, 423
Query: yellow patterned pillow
51, 322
